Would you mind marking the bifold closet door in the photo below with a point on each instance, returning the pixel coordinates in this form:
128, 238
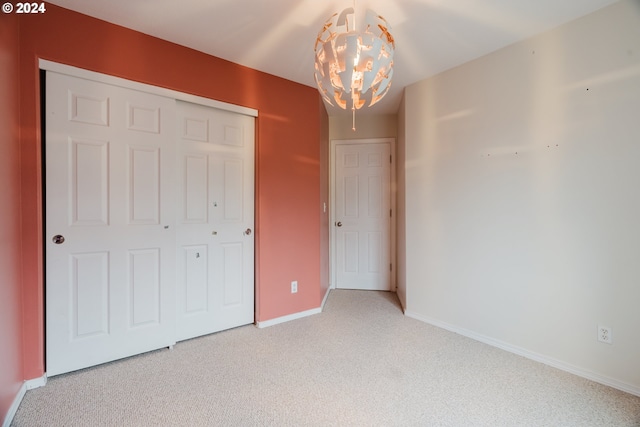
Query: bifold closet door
215, 220
109, 238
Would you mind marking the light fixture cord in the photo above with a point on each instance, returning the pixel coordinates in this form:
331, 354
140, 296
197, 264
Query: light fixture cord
353, 126
353, 106
355, 27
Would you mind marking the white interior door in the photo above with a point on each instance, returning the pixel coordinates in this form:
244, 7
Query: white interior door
110, 244
362, 216
215, 220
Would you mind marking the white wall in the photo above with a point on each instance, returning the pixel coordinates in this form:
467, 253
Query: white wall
367, 126
523, 199
401, 224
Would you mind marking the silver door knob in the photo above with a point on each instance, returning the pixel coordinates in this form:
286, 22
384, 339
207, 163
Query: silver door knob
247, 231
58, 239
338, 224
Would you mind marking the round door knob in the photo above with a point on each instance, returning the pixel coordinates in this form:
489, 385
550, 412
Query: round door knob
247, 231
58, 239
338, 224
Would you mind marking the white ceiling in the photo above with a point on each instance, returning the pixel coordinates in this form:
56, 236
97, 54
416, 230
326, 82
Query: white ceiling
277, 36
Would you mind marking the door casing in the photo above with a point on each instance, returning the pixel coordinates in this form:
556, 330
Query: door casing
332, 214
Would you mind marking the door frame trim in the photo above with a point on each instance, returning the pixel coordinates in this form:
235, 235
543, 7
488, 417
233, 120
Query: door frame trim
143, 87
392, 194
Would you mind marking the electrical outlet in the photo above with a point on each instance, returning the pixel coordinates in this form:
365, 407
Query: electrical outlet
294, 287
604, 334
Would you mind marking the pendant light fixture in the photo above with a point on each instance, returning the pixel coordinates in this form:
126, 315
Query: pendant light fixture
354, 64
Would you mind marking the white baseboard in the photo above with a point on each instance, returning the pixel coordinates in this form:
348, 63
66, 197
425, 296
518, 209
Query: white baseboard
27, 385
288, 318
36, 382
567, 367
403, 306
324, 300
295, 316
14, 406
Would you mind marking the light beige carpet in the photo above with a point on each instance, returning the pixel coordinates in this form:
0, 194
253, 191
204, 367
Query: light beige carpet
359, 363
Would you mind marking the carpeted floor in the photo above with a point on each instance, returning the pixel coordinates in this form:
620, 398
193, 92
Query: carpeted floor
359, 363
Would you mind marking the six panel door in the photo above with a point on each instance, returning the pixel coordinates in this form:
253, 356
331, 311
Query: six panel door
110, 256
215, 221
363, 216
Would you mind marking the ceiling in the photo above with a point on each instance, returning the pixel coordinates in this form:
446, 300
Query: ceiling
277, 36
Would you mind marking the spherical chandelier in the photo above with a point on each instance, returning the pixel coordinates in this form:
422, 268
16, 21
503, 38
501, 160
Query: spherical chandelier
354, 65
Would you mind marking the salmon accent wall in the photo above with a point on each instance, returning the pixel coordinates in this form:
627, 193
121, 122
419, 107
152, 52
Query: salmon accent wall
11, 352
324, 198
288, 165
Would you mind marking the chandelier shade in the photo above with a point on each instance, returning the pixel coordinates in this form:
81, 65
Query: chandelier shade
354, 66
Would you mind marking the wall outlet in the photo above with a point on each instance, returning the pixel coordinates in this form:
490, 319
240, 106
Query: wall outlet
294, 287
604, 334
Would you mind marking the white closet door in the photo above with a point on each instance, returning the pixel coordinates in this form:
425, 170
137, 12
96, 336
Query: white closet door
110, 242
215, 230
